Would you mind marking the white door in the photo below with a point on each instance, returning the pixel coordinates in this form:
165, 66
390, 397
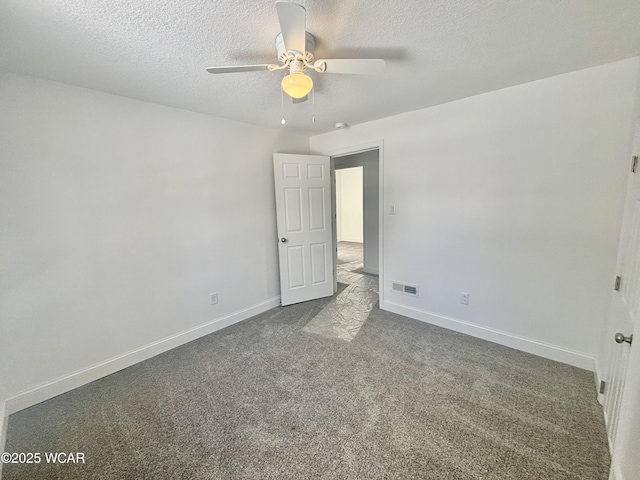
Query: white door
625, 461
625, 303
303, 208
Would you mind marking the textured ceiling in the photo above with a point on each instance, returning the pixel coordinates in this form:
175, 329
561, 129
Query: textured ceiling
436, 51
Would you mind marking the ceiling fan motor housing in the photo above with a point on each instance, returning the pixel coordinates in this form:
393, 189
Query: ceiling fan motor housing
284, 54
296, 66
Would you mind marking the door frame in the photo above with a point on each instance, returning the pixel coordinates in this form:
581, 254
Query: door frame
352, 150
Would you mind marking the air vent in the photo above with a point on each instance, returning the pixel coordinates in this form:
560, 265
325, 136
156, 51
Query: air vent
405, 288
410, 289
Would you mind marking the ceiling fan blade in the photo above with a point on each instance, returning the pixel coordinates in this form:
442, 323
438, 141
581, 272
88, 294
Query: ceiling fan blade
300, 100
355, 66
238, 68
292, 19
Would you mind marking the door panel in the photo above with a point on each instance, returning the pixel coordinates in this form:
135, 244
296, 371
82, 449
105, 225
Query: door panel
293, 210
315, 171
290, 170
318, 263
303, 196
295, 257
316, 209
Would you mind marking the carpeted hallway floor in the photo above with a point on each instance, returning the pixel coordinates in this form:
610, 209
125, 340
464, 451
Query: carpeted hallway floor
264, 399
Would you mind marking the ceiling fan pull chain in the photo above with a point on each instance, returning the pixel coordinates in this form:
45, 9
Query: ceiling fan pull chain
283, 121
313, 106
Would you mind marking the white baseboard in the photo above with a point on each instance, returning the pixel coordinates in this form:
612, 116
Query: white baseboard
350, 239
542, 349
614, 473
597, 374
81, 377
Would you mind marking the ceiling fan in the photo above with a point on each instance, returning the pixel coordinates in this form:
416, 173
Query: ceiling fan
295, 47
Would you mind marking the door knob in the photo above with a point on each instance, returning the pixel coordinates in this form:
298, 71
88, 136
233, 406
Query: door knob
620, 338
283, 240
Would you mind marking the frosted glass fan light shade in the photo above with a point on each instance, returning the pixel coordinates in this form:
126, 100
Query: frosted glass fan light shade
297, 85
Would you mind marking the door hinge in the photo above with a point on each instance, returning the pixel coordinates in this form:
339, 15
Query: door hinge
634, 164
603, 385
616, 285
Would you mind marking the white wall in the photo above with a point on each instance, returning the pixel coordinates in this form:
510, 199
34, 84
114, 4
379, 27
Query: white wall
349, 198
514, 196
118, 218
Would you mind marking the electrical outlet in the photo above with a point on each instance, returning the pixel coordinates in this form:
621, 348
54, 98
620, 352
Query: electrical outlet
213, 298
464, 298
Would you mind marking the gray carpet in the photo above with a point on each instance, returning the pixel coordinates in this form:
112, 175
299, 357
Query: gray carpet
265, 399
350, 258
350, 252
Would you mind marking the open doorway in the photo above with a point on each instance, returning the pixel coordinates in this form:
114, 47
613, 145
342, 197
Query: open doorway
356, 204
350, 218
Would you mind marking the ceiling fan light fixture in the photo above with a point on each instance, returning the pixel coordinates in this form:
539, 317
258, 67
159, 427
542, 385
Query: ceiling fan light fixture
297, 84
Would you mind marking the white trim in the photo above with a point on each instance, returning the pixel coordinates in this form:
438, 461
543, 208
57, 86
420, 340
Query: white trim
370, 271
614, 473
351, 239
598, 376
354, 149
81, 377
536, 347
381, 190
